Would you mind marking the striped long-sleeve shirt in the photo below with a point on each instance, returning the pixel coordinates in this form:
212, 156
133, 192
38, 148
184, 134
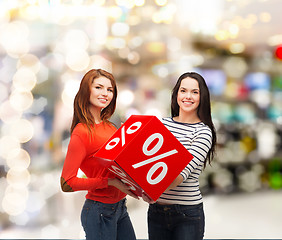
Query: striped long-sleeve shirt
197, 139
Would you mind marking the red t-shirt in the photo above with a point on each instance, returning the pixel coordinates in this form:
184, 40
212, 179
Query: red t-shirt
80, 153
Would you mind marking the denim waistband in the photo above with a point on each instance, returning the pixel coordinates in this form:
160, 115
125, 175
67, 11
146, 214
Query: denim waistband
119, 203
174, 207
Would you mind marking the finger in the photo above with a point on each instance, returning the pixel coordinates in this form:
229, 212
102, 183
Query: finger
147, 199
133, 195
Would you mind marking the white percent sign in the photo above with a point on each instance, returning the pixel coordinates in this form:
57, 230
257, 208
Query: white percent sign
123, 176
151, 152
132, 129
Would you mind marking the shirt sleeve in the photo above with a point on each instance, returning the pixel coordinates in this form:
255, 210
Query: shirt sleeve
75, 155
199, 148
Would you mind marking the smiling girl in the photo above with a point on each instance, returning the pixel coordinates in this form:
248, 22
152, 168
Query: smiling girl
178, 214
104, 215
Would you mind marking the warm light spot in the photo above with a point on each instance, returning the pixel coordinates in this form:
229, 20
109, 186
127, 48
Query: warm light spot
221, 35
77, 60
21, 101
22, 130
265, 17
126, 97
24, 80
156, 47
8, 113
18, 158
18, 178
139, 3
7, 145
161, 2
236, 48
120, 29
133, 57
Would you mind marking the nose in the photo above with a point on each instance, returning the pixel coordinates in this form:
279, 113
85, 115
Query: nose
188, 95
104, 92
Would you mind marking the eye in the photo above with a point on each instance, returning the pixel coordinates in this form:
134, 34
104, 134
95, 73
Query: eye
110, 90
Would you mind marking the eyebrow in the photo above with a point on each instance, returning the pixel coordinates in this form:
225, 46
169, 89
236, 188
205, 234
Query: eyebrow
191, 89
101, 85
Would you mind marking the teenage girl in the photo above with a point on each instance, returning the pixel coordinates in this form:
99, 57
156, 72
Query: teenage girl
178, 214
104, 215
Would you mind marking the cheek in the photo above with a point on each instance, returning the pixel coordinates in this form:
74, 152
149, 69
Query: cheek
178, 101
198, 101
179, 97
110, 97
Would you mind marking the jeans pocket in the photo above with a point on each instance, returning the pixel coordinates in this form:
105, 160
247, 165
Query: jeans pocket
192, 214
107, 210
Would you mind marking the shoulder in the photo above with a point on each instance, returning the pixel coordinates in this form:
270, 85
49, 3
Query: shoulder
103, 129
176, 126
201, 128
169, 123
166, 120
105, 126
81, 130
111, 126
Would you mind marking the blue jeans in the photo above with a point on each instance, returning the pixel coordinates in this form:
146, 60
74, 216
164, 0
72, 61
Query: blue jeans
176, 222
103, 221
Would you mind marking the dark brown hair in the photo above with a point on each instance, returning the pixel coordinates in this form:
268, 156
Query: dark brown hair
81, 113
204, 108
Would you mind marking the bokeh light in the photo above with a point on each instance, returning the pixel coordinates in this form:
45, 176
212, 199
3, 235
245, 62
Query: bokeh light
126, 97
21, 100
24, 80
18, 158
278, 52
7, 145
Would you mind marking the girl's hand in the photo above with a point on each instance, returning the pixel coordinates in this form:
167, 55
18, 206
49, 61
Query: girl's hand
147, 199
115, 182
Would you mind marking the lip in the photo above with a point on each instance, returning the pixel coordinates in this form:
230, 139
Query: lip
188, 102
103, 100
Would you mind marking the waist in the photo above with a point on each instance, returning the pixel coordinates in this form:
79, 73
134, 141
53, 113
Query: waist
174, 207
106, 195
113, 205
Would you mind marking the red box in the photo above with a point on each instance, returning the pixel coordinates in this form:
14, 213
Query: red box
144, 154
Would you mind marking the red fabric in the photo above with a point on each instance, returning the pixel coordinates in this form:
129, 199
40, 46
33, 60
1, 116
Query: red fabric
79, 155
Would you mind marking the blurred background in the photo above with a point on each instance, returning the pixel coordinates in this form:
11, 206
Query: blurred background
46, 46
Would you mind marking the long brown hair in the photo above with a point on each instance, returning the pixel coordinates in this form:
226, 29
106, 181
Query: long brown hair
81, 113
204, 108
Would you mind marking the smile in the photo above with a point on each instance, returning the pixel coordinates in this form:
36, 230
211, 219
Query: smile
188, 102
102, 99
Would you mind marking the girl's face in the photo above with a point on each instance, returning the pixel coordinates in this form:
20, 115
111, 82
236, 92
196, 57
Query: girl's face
101, 92
188, 96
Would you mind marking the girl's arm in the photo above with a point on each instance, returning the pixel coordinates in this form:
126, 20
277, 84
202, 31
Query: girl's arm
75, 155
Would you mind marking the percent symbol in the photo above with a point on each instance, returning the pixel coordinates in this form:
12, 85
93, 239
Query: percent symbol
123, 176
151, 152
134, 127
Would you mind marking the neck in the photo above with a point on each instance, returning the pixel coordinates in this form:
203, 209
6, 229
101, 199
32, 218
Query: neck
187, 118
96, 114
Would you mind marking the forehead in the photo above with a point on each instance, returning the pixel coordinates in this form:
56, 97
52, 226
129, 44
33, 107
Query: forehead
103, 81
189, 83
